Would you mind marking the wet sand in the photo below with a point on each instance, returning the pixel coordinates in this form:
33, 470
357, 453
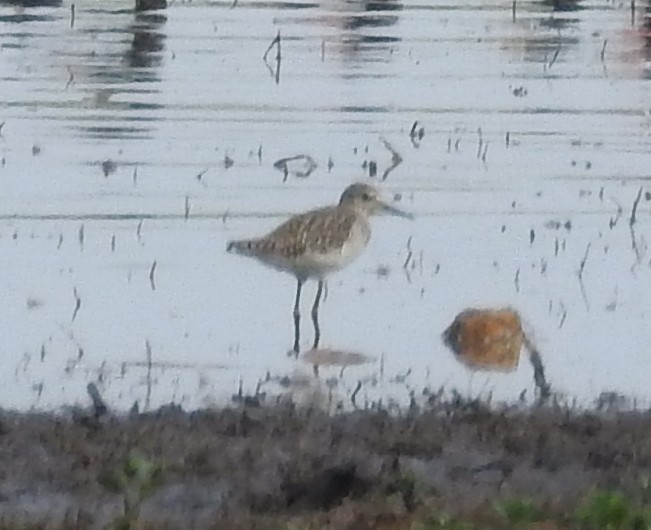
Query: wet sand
269, 467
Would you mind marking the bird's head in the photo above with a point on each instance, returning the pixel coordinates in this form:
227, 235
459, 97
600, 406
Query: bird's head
366, 198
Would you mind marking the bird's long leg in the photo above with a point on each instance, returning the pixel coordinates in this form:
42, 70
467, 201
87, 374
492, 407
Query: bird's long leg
297, 316
315, 314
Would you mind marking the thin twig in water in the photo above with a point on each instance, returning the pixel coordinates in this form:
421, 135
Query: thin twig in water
139, 229
396, 159
631, 223
2, 124
149, 366
187, 207
353, 396
516, 280
401, 378
81, 236
412, 132
580, 275
620, 211
513, 10
636, 202
563, 316
99, 406
416, 134
603, 50
201, 174
276, 42
480, 142
72, 16
409, 253
152, 271
71, 78
544, 388
555, 56
77, 303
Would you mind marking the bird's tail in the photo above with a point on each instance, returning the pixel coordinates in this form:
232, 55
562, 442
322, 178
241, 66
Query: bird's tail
246, 247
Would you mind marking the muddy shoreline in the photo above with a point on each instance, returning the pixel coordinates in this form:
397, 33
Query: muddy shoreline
249, 466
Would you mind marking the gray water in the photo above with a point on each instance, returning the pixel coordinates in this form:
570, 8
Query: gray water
134, 145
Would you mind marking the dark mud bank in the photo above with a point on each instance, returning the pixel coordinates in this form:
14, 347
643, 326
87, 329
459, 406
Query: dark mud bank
243, 465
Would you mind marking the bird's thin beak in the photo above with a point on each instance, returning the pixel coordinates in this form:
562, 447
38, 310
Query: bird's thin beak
392, 210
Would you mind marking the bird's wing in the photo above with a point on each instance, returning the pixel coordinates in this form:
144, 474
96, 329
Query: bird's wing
318, 231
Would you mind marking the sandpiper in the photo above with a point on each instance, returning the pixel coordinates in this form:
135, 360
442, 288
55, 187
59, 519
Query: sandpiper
316, 243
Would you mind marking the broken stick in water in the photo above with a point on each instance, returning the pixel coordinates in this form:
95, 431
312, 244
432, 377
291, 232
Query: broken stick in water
396, 159
152, 271
580, 275
480, 142
274, 72
631, 223
77, 304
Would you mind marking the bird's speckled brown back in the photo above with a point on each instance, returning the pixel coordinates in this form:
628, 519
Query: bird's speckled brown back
318, 231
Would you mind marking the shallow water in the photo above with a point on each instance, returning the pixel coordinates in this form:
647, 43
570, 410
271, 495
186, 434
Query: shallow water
139, 142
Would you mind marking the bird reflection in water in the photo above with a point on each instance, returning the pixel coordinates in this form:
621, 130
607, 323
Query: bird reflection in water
141, 63
148, 40
364, 33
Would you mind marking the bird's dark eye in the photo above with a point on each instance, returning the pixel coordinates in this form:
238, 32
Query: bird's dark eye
366, 197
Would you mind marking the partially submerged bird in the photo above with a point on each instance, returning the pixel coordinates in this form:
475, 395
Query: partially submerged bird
492, 339
317, 243
486, 339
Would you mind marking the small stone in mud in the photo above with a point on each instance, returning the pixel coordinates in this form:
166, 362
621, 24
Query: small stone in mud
109, 167
34, 303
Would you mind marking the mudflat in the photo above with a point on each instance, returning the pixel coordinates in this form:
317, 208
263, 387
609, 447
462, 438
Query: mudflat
284, 466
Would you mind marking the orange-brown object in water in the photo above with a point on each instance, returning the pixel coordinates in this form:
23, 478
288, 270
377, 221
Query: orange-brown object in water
486, 339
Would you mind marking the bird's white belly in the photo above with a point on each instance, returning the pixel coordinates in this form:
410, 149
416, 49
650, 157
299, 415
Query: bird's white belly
320, 264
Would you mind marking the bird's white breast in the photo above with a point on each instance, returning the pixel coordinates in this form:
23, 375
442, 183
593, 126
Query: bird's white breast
320, 264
